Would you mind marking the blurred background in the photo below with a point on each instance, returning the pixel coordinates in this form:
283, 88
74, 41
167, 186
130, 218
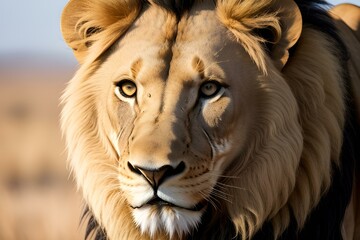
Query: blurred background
38, 199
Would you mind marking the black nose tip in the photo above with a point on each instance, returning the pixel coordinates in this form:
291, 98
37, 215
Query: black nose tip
157, 176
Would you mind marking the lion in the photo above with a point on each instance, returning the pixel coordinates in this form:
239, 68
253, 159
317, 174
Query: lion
227, 119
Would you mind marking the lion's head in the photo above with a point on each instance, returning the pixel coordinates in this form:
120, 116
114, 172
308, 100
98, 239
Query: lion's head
180, 110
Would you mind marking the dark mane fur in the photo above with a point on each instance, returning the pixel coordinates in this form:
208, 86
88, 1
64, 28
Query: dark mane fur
325, 220
93, 229
175, 6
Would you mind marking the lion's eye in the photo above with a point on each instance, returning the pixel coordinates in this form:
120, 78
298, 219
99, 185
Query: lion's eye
210, 89
126, 88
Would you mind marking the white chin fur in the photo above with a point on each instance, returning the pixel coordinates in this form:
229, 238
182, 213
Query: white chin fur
172, 220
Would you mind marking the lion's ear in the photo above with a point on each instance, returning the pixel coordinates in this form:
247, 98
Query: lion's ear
84, 22
276, 23
291, 27
70, 28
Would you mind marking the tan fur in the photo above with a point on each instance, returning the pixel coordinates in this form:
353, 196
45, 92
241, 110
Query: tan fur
350, 14
260, 148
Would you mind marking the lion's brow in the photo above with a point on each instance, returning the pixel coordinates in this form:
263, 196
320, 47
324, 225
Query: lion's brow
199, 66
135, 67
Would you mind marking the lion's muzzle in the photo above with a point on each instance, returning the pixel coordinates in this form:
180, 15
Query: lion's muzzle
157, 176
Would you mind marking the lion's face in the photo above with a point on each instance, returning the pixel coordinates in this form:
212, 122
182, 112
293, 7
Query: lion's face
177, 115
168, 117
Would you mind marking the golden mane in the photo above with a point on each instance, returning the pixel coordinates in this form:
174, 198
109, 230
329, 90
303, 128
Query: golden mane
295, 145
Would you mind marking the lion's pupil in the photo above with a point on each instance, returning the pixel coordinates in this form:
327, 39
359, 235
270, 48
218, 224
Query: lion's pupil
209, 89
128, 89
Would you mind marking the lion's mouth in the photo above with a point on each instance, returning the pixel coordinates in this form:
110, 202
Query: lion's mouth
158, 202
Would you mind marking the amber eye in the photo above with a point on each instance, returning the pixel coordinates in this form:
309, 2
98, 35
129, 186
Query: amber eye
209, 89
127, 88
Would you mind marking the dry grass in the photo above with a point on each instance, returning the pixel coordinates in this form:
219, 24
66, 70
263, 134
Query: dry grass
37, 197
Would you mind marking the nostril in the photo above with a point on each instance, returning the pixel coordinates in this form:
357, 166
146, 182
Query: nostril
133, 168
157, 176
175, 171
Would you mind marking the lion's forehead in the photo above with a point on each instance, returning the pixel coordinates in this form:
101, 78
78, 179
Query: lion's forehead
164, 42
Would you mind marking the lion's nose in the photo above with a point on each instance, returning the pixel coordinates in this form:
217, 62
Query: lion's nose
157, 176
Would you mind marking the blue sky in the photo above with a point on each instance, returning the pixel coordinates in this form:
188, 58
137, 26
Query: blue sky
33, 26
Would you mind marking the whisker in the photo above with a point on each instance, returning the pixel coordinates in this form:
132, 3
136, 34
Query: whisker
221, 196
224, 176
209, 199
231, 186
221, 192
222, 188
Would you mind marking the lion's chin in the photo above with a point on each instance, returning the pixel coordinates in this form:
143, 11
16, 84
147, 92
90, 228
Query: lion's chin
153, 219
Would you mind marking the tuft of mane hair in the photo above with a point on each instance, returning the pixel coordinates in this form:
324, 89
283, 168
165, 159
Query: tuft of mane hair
306, 150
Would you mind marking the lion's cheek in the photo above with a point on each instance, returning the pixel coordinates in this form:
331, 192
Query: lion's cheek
219, 122
217, 114
227, 126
